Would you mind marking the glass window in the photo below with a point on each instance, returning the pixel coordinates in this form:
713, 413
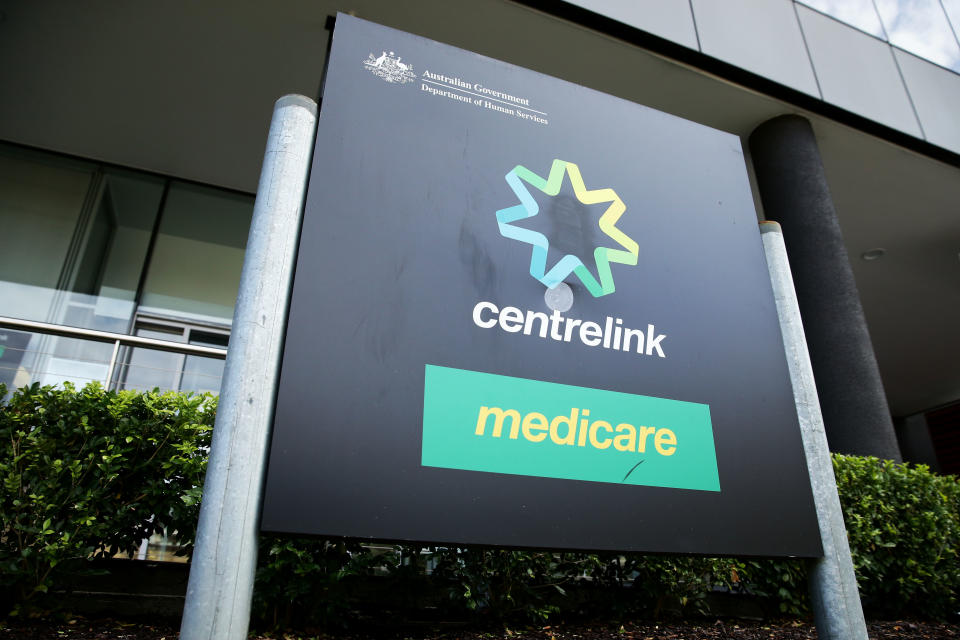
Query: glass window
194, 272
40, 205
13, 347
203, 374
95, 247
146, 369
27, 357
921, 27
75, 238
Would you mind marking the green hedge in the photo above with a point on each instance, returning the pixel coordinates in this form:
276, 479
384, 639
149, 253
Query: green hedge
903, 523
90, 473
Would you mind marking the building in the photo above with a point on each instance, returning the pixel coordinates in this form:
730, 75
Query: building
131, 137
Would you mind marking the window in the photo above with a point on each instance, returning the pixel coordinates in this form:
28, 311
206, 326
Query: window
97, 247
145, 369
925, 28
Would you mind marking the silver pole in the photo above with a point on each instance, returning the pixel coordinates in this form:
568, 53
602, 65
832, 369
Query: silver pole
225, 558
112, 365
833, 584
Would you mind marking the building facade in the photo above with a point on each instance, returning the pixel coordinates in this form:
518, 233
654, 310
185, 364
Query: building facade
131, 137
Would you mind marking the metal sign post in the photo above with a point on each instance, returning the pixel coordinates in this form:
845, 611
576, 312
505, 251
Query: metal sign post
833, 584
225, 558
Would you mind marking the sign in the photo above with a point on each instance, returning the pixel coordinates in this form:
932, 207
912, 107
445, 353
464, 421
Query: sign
545, 437
529, 314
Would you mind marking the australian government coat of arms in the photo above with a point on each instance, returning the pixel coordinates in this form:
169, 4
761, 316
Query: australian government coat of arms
390, 68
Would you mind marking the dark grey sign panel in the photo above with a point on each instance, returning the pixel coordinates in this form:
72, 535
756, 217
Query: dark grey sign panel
529, 314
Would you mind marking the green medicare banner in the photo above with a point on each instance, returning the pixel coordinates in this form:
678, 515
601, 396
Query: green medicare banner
484, 422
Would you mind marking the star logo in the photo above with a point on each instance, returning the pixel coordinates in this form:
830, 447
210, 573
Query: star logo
518, 178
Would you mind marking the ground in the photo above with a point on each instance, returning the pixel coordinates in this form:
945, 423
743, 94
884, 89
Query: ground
87, 629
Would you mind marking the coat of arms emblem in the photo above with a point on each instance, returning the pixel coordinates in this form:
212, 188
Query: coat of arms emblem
390, 68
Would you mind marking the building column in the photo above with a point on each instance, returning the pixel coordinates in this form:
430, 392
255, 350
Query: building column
794, 192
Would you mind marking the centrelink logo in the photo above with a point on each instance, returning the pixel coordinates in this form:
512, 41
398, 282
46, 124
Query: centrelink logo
612, 334
568, 264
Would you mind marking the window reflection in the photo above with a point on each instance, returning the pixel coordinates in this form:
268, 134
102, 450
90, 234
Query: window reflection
203, 374
145, 369
857, 13
921, 27
925, 28
194, 271
75, 238
952, 9
103, 248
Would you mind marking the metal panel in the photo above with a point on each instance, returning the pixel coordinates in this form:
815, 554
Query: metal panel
861, 14
761, 36
670, 19
921, 27
857, 72
935, 92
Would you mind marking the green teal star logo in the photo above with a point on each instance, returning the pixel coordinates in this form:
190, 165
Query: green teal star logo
518, 178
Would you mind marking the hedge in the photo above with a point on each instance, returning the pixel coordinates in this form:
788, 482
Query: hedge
903, 523
90, 473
